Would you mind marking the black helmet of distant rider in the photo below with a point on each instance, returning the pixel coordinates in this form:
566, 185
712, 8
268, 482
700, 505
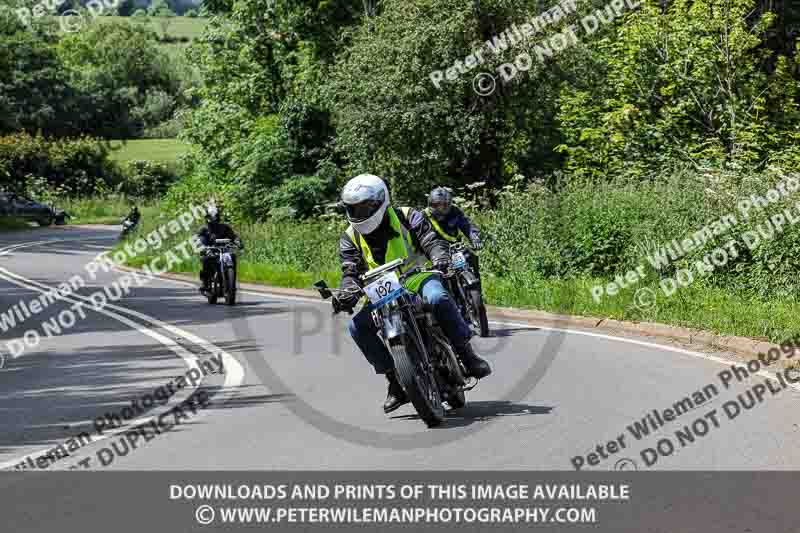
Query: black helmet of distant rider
440, 202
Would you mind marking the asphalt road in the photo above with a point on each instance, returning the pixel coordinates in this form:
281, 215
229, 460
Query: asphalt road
296, 394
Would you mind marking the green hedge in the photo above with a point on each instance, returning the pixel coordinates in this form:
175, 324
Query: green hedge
73, 167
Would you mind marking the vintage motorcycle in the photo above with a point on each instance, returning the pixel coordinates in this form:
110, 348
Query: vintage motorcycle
223, 281
128, 227
464, 286
425, 363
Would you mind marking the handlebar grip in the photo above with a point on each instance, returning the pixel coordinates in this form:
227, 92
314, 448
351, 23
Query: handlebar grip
338, 307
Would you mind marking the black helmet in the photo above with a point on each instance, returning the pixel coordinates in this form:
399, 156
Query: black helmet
213, 215
440, 200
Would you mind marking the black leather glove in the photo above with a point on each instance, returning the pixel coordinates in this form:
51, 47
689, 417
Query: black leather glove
345, 302
477, 245
442, 264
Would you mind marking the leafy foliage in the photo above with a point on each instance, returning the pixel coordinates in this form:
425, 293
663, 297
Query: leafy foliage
71, 166
693, 84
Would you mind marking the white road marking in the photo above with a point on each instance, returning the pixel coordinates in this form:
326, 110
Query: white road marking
234, 372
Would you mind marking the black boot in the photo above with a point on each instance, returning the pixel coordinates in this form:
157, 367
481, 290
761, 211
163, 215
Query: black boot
477, 367
205, 284
396, 396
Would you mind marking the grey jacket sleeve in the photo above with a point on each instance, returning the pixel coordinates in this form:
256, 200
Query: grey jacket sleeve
352, 262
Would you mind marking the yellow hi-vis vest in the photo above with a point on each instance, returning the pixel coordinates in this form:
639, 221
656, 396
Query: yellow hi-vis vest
400, 247
438, 228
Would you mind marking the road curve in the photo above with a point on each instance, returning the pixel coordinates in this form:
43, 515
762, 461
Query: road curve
295, 393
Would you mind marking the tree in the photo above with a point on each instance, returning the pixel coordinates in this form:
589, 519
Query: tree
693, 84
116, 65
160, 8
35, 94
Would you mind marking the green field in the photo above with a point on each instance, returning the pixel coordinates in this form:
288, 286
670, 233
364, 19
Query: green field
107, 210
159, 150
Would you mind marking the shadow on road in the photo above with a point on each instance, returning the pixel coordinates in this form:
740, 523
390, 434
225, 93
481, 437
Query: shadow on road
483, 411
53, 395
510, 332
246, 397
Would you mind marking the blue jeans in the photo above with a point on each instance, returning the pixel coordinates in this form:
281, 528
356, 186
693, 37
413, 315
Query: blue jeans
365, 333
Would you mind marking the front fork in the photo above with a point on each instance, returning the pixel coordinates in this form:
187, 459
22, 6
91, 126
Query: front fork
392, 327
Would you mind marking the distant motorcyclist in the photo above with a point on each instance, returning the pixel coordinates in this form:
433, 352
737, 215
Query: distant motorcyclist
130, 222
134, 216
379, 234
448, 220
213, 230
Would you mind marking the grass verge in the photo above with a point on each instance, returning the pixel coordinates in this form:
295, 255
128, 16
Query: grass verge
96, 210
697, 306
13, 224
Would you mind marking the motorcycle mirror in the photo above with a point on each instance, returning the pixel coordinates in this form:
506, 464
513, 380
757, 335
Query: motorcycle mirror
322, 287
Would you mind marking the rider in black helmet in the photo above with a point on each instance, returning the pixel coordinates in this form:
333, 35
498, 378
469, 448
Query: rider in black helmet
213, 230
448, 220
134, 216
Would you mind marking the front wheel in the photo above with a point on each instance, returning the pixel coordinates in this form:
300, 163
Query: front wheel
477, 311
213, 291
230, 286
457, 399
418, 381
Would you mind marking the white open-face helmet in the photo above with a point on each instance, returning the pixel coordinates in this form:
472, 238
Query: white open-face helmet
365, 199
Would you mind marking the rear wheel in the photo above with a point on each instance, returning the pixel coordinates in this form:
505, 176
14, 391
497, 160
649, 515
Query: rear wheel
418, 382
477, 312
44, 222
230, 286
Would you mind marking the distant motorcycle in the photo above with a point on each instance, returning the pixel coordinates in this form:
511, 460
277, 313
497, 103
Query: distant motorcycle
464, 286
223, 281
128, 226
427, 367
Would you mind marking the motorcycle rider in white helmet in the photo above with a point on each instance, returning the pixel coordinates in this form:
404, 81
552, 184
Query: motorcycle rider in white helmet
378, 234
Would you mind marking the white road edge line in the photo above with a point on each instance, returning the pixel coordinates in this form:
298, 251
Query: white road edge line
234, 372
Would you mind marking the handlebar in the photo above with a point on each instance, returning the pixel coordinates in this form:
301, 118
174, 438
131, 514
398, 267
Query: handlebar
327, 292
225, 243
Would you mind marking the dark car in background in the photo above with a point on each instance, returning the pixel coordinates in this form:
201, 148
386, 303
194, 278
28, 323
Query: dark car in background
14, 205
